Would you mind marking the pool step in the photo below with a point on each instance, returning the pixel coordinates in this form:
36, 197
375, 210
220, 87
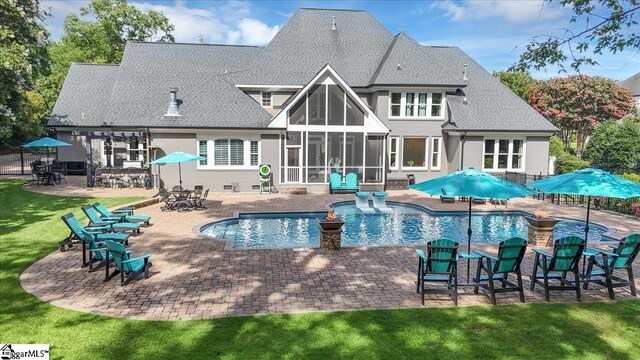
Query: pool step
295, 190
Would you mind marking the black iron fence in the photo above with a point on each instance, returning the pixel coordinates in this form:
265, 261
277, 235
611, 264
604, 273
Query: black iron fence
18, 161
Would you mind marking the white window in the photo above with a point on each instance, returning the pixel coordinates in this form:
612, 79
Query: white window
254, 153
503, 154
416, 105
266, 97
436, 145
203, 151
414, 153
137, 150
229, 153
393, 153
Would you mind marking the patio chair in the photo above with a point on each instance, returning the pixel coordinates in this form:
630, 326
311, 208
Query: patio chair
176, 188
199, 202
565, 258
497, 268
620, 259
168, 200
126, 265
479, 201
114, 223
439, 265
123, 216
362, 203
445, 198
379, 202
99, 233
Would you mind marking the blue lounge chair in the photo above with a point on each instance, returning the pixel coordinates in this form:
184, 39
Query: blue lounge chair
445, 198
114, 223
97, 250
350, 184
439, 265
565, 258
126, 265
497, 268
362, 203
123, 215
379, 202
98, 233
621, 258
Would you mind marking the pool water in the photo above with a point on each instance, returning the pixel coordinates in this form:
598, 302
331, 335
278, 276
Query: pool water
407, 225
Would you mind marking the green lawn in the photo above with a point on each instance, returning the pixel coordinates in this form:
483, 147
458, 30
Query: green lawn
30, 228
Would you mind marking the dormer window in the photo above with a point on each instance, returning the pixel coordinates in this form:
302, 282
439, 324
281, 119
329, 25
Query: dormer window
266, 99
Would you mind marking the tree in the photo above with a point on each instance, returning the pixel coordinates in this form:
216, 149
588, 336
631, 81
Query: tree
23, 56
577, 103
518, 81
614, 147
600, 25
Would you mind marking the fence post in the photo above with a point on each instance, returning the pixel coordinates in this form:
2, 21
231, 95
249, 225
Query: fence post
22, 160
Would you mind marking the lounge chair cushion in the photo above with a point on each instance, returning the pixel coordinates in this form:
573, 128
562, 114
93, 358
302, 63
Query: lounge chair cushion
362, 194
380, 194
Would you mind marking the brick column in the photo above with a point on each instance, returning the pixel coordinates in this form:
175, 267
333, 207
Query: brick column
330, 239
540, 236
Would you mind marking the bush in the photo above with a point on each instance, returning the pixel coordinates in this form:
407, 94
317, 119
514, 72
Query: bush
567, 163
555, 147
632, 177
615, 147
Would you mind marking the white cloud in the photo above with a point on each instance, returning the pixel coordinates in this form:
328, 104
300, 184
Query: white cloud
520, 11
227, 23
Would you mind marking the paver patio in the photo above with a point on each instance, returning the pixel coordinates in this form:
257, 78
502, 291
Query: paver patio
193, 277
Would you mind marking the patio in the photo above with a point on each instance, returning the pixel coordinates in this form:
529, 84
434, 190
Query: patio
194, 277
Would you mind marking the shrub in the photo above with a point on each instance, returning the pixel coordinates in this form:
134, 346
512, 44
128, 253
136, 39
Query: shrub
615, 147
632, 177
567, 163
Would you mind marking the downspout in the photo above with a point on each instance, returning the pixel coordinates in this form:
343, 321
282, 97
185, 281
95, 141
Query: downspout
463, 140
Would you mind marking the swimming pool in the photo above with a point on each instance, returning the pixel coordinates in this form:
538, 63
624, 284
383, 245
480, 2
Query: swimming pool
407, 225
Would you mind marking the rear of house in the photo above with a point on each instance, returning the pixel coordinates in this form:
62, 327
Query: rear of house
333, 92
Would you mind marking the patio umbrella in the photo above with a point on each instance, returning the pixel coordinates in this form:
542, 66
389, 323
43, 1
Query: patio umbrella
46, 142
178, 157
472, 183
588, 182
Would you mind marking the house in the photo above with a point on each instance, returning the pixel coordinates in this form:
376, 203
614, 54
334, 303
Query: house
633, 84
333, 91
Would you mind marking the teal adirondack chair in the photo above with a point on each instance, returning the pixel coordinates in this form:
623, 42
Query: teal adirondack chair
351, 182
621, 258
124, 216
115, 223
335, 182
126, 265
566, 256
497, 268
98, 233
439, 265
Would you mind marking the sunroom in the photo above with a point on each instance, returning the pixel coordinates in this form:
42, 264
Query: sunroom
330, 130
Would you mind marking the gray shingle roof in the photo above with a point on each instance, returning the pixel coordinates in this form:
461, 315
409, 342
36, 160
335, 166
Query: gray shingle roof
407, 63
490, 105
306, 43
633, 84
85, 91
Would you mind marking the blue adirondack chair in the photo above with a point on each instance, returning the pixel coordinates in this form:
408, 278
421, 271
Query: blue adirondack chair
497, 268
621, 258
129, 268
439, 265
565, 258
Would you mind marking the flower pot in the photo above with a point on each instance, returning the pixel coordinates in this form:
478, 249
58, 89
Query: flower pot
543, 222
331, 225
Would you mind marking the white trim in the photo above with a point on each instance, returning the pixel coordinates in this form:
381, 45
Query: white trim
396, 152
270, 86
439, 152
246, 153
262, 93
496, 147
372, 124
416, 105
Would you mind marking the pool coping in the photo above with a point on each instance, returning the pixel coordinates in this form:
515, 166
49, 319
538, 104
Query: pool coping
228, 244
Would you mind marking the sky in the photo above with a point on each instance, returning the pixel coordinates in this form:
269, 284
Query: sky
493, 32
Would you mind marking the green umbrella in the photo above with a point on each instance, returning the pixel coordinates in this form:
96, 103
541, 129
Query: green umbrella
178, 157
588, 182
472, 183
46, 142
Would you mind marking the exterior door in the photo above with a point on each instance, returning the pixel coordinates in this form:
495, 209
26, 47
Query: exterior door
294, 164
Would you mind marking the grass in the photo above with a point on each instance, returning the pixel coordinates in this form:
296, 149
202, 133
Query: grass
30, 228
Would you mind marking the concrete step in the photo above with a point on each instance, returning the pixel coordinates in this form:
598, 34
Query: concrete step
296, 190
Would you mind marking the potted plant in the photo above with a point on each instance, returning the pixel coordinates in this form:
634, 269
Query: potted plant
542, 219
331, 222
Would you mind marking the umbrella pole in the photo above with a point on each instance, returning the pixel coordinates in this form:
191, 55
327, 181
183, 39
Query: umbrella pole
469, 233
180, 173
586, 232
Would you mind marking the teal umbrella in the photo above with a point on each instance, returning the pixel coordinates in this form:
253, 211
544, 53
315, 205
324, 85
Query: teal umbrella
178, 157
46, 142
588, 182
472, 183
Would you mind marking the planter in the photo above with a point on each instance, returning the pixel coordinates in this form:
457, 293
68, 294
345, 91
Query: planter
331, 224
542, 223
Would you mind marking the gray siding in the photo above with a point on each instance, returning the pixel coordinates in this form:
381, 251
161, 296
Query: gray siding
78, 151
473, 150
537, 155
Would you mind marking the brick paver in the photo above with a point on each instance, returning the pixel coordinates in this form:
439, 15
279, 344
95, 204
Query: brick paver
194, 277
